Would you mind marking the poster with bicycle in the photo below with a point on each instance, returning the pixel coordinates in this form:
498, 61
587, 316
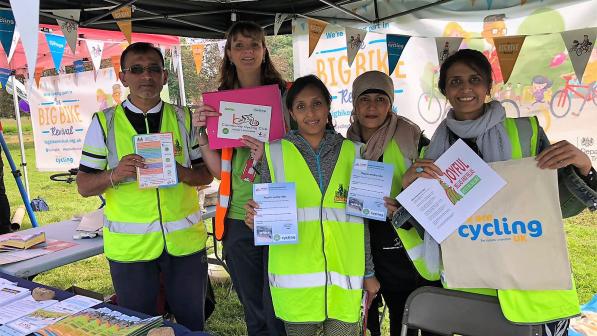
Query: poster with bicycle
61, 110
543, 82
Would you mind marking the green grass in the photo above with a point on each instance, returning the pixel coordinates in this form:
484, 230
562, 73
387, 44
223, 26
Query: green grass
228, 319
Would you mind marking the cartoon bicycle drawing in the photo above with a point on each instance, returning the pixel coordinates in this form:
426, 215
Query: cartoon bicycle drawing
245, 118
583, 47
561, 102
356, 43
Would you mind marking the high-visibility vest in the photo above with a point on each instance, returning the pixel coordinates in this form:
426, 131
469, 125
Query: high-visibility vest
320, 277
531, 306
140, 223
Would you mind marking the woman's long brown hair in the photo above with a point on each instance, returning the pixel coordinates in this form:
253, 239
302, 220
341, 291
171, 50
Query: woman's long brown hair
269, 74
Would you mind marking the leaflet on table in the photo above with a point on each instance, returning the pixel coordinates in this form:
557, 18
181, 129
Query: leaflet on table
20, 255
22, 307
276, 220
370, 182
158, 150
51, 314
239, 119
442, 205
10, 293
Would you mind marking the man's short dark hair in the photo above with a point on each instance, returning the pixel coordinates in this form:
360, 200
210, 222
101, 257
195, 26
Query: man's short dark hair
140, 48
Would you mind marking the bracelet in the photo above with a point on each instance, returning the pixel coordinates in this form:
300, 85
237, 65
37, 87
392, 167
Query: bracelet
112, 181
205, 144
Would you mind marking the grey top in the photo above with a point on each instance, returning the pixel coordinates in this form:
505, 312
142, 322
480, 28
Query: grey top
328, 153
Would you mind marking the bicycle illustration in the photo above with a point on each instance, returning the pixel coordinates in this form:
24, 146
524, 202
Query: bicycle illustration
245, 118
356, 43
580, 48
561, 102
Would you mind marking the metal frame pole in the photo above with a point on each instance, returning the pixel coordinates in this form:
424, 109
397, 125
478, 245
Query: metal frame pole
15, 100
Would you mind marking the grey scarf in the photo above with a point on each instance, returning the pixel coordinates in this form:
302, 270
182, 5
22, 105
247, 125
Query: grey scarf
487, 130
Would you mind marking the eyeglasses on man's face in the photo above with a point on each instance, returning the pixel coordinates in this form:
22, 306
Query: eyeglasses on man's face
139, 69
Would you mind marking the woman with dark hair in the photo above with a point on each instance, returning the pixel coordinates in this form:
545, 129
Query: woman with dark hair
246, 64
316, 283
465, 79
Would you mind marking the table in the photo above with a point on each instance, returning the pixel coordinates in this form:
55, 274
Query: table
179, 330
85, 248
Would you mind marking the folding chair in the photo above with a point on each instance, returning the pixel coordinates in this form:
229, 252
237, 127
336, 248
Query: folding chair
448, 312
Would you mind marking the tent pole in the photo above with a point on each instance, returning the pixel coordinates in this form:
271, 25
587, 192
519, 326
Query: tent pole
183, 95
15, 100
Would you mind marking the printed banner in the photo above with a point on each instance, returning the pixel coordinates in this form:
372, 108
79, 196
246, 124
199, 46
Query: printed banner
27, 20
278, 20
96, 48
580, 44
61, 111
56, 43
69, 29
395, 45
116, 65
508, 48
126, 27
446, 46
7, 29
316, 28
198, 51
4, 74
355, 41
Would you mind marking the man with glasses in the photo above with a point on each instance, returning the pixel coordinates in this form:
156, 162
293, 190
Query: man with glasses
152, 231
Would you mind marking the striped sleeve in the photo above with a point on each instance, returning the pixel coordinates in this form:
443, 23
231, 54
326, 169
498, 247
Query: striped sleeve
95, 152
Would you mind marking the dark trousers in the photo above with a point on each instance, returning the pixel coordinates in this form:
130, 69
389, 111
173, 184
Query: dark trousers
137, 285
248, 269
4, 206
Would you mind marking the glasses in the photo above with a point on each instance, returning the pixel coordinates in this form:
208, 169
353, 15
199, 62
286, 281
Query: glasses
139, 69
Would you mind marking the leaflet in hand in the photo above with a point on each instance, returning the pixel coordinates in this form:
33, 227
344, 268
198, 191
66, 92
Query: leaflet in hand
442, 205
239, 119
276, 220
370, 182
158, 151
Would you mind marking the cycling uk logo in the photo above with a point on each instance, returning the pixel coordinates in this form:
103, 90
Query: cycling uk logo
490, 228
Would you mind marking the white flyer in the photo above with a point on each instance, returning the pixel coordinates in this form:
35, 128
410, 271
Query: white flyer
442, 205
158, 150
239, 119
370, 182
276, 221
20, 308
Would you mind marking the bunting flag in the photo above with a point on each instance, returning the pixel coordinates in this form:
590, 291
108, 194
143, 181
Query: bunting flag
580, 44
13, 46
395, 45
116, 65
4, 74
96, 48
446, 46
355, 40
507, 49
38, 72
278, 20
27, 20
198, 50
316, 28
7, 29
56, 43
489, 3
175, 57
222, 47
69, 28
126, 27
79, 66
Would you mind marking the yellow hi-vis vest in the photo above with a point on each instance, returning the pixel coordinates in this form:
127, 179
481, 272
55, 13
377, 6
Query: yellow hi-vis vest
531, 306
140, 223
320, 277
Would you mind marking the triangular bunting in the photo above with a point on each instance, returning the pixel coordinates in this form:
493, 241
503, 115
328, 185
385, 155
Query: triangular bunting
13, 46
580, 44
489, 3
38, 72
316, 28
355, 40
27, 19
126, 27
4, 74
116, 65
508, 48
198, 51
7, 29
69, 28
278, 20
446, 46
96, 48
79, 66
396, 45
56, 43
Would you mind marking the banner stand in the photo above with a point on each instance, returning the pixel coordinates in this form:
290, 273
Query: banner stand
15, 100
